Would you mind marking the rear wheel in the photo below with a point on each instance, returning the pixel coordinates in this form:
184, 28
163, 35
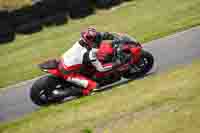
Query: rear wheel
41, 91
142, 67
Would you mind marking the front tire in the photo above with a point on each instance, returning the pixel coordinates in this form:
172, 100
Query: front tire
41, 91
143, 66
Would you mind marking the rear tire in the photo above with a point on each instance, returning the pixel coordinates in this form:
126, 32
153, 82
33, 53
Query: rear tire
41, 91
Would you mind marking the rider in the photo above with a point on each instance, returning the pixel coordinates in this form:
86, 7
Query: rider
85, 50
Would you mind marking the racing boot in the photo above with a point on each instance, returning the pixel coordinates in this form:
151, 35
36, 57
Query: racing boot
92, 86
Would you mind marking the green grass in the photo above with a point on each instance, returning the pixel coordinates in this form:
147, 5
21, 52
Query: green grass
164, 103
13, 4
144, 19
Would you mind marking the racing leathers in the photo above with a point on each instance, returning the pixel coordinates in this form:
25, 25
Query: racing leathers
72, 61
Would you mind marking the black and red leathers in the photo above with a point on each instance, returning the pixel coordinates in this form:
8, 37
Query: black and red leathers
72, 60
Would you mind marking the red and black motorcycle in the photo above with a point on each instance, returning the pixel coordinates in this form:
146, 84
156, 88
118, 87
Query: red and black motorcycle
136, 62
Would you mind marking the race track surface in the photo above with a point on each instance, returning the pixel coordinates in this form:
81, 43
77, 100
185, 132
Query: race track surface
178, 49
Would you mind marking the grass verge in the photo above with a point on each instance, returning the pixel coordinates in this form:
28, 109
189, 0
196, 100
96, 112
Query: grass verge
161, 103
144, 19
13, 4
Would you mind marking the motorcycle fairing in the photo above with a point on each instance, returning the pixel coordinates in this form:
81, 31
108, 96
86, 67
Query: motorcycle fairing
136, 51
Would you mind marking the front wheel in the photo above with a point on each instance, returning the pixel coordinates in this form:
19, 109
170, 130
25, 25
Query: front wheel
41, 90
142, 67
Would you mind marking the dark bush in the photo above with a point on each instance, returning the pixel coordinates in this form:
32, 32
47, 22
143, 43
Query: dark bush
30, 19
4, 15
116, 2
80, 8
23, 16
81, 13
7, 33
29, 28
56, 19
40, 10
107, 3
7, 37
57, 5
48, 10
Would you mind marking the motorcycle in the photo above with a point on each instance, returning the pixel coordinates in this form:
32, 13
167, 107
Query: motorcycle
136, 62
